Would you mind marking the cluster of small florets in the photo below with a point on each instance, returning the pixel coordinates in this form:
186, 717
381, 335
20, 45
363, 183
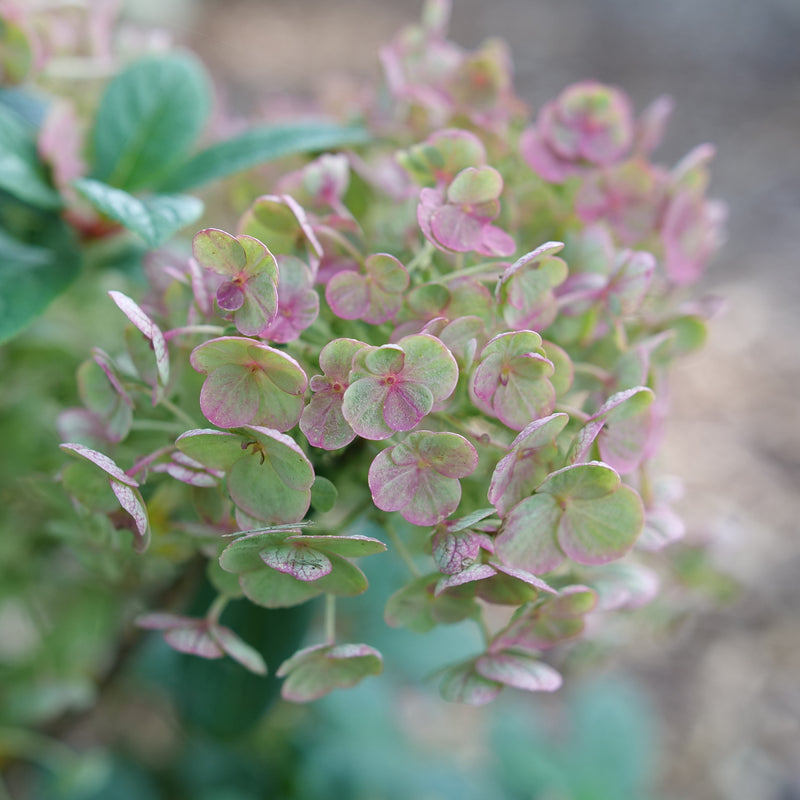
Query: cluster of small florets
465, 325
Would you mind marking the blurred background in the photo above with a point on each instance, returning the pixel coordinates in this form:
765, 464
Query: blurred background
706, 707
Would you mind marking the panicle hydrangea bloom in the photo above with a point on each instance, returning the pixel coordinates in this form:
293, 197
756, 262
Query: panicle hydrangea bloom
461, 330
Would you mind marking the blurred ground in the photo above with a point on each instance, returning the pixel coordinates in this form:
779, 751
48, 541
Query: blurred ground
726, 685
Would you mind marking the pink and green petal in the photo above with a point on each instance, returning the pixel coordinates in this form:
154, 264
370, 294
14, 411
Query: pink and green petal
463, 684
348, 295
219, 251
415, 476
131, 501
521, 470
518, 670
238, 650
362, 408
249, 383
527, 537
428, 361
318, 670
100, 460
471, 574
406, 404
454, 551
151, 331
601, 529
301, 562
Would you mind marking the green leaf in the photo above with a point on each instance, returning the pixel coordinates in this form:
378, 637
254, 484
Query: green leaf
31, 276
148, 118
21, 172
258, 146
155, 218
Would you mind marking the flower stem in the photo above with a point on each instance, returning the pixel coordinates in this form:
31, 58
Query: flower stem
422, 259
480, 621
149, 459
487, 270
217, 330
178, 412
217, 607
157, 425
330, 618
401, 548
573, 412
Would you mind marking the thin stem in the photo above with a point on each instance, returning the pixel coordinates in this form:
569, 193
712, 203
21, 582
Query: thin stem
401, 548
482, 439
330, 618
573, 412
600, 374
645, 485
178, 412
342, 241
422, 258
621, 335
351, 516
149, 459
489, 269
218, 330
157, 425
480, 621
217, 607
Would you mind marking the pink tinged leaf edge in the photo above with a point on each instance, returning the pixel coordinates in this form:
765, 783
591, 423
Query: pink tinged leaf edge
193, 640
462, 684
230, 397
406, 404
519, 671
237, 649
476, 572
301, 562
149, 328
131, 500
527, 538
323, 424
100, 460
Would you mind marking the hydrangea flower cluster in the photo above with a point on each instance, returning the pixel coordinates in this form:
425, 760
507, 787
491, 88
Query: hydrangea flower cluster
462, 328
